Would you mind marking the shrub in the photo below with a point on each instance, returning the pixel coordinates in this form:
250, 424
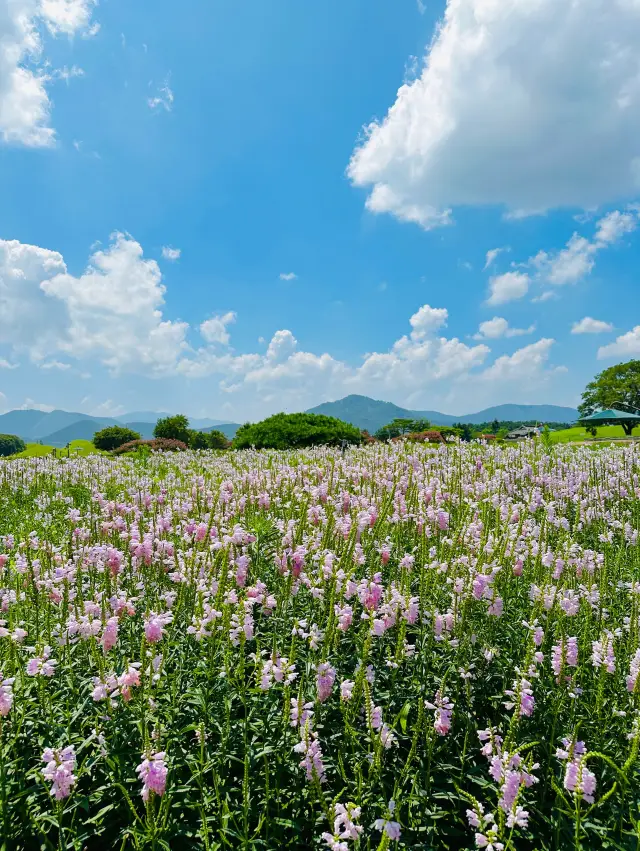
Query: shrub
217, 440
156, 444
290, 431
10, 444
198, 439
114, 436
173, 428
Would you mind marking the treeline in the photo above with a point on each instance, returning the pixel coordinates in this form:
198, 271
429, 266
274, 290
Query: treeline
281, 431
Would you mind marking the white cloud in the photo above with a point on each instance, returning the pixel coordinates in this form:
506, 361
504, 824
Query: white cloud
214, 330
578, 258
627, 345
24, 101
508, 287
591, 326
494, 329
111, 312
55, 364
285, 377
492, 255
288, 276
163, 99
547, 295
170, 253
67, 16
519, 104
5, 364
427, 320
525, 363
109, 408
30, 405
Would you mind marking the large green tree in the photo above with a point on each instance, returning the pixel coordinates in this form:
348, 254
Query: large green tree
173, 428
112, 437
290, 431
10, 444
618, 386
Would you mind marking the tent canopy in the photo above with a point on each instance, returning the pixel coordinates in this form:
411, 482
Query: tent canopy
612, 415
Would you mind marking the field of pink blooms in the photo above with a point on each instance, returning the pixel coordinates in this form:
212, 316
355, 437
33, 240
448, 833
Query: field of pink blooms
394, 647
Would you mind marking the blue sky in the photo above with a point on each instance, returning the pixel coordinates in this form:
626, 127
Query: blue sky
198, 213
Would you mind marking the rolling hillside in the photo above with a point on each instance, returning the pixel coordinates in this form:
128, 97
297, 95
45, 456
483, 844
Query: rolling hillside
371, 414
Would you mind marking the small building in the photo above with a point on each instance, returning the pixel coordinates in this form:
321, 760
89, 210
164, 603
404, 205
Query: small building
523, 432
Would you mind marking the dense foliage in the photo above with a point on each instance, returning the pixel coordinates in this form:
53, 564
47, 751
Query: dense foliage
155, 444
114, 436
292, 431
615, 387
208, 440
10, 444
401, 646
173, 428
400, 426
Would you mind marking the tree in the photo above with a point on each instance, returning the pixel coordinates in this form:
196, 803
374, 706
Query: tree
114, 436
10, 444
198, 439
291, 431
618, 386
217, 440
400, 426
465, 431
173, 428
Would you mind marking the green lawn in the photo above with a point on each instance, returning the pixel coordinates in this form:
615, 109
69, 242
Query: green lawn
569, 435
78, 447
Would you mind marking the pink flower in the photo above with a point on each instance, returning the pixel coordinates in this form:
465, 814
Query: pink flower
346, 689
6, 695
325, 678
42, 666
152, 771
154, 626
60, 765
391, 828
443, 710
109, 637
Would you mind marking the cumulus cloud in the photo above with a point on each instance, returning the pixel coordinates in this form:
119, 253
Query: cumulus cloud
285, 376
494, 329
171, 253
214, 330
110, 312
5, 364
55, 364
591, 326
24, 100
526, 363
508, 287
288, 276
627, 345
518, 104
427, 320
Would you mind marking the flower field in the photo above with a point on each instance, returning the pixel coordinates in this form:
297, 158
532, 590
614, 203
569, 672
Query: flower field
395, 647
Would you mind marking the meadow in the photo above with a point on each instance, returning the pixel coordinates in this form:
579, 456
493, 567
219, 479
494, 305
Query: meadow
398, 646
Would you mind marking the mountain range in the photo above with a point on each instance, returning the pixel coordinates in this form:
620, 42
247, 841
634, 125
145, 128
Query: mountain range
370, 414
57, 428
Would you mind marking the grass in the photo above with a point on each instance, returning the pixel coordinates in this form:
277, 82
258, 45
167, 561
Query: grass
78, 447
571, 435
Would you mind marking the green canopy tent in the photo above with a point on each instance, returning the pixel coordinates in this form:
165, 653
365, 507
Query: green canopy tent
613, 416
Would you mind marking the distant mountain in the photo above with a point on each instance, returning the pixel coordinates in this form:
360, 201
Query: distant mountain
371, 414
142, 417
523, 413
33, 426
228, 429
152, 417
80, 430
144, 429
